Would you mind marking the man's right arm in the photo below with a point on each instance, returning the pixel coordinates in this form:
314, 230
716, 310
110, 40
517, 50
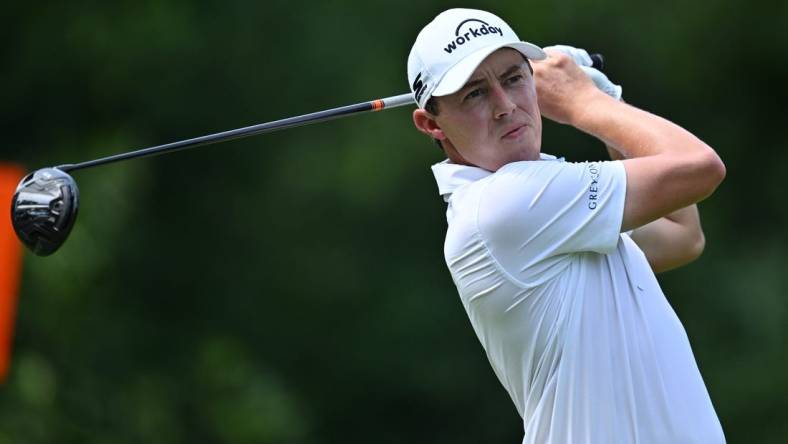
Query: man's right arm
667, 167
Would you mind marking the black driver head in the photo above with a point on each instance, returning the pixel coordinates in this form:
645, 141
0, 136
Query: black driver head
44, 209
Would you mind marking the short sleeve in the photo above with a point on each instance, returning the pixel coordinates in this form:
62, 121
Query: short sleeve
531, 211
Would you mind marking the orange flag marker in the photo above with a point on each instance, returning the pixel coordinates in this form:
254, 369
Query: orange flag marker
10, 264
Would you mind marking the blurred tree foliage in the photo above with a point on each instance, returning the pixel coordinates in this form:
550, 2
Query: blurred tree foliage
290, 288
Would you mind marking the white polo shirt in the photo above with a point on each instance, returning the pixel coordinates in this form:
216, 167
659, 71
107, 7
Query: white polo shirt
567, 309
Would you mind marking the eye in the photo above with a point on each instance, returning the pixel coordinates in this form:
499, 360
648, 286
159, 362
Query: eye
515, 79
473, 94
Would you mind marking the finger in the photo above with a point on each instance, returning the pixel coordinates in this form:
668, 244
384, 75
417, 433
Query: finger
580, 56
602, 82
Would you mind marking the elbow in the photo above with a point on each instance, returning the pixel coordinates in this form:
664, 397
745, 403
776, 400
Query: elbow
711, 170
717, 170
691, 250
696, 247
688, 251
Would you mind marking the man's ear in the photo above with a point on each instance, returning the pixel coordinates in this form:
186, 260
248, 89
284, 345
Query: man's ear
425, 122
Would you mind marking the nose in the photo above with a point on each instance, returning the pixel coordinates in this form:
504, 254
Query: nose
503, 105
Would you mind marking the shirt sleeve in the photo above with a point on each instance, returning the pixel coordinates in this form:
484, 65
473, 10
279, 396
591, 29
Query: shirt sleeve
531, 211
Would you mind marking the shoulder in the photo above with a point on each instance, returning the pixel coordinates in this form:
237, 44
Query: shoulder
540, 169
561, 206
552, 179
532, 185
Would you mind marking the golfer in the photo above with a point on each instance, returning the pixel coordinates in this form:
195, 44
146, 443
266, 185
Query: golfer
554, 261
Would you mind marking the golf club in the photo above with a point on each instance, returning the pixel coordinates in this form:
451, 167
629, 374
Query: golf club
46, 201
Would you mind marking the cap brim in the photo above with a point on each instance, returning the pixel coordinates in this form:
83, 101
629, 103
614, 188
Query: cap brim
456, 77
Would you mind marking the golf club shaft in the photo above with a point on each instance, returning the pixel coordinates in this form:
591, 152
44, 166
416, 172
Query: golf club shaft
291, 122
320, 116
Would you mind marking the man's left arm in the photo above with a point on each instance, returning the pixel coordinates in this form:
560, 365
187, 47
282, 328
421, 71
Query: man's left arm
670, 241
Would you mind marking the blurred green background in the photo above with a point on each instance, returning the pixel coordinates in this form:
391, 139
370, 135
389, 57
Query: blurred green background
291, 288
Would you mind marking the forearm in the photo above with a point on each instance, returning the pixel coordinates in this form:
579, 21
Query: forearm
614, 153
671, 241
687, 217
634, 132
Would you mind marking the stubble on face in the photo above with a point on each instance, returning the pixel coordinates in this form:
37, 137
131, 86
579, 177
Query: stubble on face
494, 119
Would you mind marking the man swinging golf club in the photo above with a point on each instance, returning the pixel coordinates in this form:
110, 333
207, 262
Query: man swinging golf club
554, 261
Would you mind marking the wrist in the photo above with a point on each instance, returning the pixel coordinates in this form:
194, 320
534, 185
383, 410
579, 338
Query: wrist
593, 111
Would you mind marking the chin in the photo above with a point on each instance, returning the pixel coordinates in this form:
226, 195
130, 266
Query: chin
528, 152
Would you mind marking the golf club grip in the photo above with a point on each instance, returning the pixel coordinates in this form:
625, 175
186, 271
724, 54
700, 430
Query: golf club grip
597, 61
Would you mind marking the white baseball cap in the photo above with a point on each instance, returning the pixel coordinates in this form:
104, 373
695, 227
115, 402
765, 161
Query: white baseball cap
448, 50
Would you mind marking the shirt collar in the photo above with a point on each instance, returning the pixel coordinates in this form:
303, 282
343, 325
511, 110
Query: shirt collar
451, 176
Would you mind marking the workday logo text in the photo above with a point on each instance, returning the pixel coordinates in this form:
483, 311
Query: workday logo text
476, 28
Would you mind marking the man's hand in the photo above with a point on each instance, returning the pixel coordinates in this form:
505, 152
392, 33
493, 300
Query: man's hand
583, 60
562, 88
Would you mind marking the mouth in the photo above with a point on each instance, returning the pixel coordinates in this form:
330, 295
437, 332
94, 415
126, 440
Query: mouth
514, 132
